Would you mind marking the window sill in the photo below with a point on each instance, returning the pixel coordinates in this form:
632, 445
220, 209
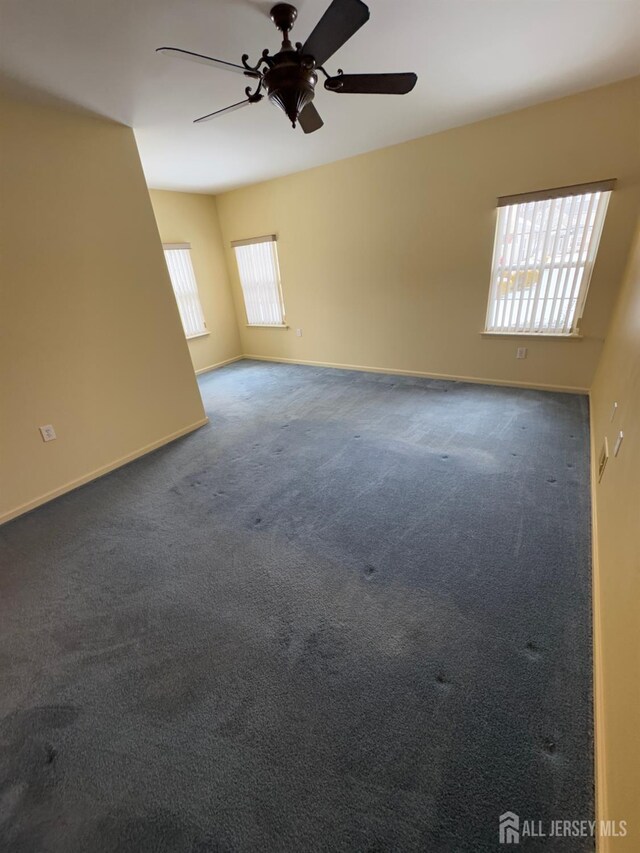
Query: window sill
199, 335
267, 326
532, 335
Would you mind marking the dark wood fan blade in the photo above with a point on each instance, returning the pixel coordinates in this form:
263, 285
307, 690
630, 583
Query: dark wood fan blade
372, 84
342, 19
310, 119
230, 109
207, 60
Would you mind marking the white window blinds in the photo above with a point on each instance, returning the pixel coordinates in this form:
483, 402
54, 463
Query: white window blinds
178, 257
260, 279
545, 248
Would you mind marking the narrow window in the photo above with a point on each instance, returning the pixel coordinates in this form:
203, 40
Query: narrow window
259, 272
544, 252
178, 257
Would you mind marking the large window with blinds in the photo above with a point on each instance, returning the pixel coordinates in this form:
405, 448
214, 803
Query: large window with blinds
259, 272
544, 252
185, 288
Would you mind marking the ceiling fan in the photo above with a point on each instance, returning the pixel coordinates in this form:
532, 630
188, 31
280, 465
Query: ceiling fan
289, 77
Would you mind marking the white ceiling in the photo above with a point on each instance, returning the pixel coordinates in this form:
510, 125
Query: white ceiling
474, 58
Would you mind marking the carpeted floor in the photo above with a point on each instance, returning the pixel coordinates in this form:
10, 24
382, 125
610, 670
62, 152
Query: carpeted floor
351, 614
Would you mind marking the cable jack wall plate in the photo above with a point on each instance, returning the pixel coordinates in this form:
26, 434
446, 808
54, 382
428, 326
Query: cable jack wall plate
47, 432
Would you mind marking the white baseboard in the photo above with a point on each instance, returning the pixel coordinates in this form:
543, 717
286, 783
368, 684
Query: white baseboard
99, 472
218, 364
67, 487
567, 389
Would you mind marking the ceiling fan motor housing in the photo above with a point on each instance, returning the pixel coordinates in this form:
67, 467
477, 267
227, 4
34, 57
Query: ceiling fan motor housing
290, 83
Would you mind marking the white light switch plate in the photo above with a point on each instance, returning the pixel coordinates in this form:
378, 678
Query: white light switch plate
47, 432
618, 443
521, 352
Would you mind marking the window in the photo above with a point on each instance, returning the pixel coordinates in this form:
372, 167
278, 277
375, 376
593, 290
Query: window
178, 257
545, 248
260, 279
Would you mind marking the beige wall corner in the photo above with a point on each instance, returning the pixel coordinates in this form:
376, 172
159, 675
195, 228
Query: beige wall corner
616, 514
91, 338
193, 218
218, 365
385, 257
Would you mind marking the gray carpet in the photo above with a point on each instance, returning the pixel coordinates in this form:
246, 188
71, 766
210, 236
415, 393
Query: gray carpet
351, 614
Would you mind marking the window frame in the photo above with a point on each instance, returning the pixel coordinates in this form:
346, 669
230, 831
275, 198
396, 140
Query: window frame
253, 241
578, 269
169, 247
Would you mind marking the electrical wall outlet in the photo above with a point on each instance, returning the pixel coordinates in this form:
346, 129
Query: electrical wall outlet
47, 432
521, 352
299, 333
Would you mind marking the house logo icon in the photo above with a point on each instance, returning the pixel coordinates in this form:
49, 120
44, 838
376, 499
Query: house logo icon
509, 828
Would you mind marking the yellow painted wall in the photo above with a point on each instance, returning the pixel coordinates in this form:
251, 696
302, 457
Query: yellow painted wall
192, 218
91, 339
385, 257
617, 565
